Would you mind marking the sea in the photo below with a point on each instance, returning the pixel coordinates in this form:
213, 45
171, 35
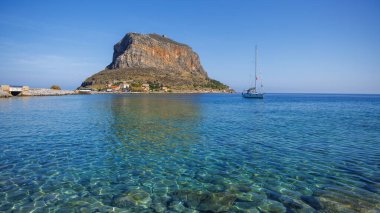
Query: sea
190, 153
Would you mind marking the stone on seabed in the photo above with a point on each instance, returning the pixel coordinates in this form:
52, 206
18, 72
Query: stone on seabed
135, 197
312, 201
272, 206
205, 201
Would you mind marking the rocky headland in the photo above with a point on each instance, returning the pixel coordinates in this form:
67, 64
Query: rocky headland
152, 62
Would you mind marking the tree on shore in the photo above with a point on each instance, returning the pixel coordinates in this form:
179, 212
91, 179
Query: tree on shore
56, 87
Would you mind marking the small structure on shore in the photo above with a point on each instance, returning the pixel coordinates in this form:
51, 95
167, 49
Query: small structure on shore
84, 91
14, 90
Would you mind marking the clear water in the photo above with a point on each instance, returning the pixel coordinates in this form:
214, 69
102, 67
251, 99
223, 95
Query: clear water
190, 153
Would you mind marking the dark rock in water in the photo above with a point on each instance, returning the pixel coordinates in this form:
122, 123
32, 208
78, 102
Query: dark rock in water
273, 195
319, 192
160, 202
288, 210
371, 188
85, 181
240, 188
77, 203
312, 201
216, 202
121, 201
177, 206
254, 198
246, 205
50, 199
16, 196
203, 177
6, 207
159, 207
153, 59
288, 202
64, 210
205, 201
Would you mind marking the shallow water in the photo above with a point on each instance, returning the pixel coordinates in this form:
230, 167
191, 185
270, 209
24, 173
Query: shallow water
189, 153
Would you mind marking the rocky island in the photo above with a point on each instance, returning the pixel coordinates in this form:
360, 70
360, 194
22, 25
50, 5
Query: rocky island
153, 63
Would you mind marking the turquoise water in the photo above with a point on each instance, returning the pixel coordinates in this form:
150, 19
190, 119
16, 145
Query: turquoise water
190, 153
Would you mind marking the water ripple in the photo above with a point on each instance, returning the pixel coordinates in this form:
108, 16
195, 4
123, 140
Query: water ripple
190, 153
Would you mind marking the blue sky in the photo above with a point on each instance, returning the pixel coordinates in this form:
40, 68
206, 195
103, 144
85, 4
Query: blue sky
304, 46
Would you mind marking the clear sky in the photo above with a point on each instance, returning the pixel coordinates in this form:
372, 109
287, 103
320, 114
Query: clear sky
304, 46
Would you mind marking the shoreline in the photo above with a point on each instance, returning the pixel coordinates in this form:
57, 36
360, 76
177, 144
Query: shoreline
51, 92
157, 92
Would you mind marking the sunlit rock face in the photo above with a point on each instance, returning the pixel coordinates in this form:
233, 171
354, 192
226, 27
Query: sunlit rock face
155, 51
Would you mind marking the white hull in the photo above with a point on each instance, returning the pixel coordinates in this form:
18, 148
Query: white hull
252, 92
253, 95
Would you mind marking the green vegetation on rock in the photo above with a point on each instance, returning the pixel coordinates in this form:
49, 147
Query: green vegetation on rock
214, 84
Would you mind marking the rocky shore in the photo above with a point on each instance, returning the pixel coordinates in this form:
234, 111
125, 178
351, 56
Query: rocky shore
4, 94
40, 92
47, 92
52, 92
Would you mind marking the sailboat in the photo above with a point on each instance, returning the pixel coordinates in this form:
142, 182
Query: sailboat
253, 92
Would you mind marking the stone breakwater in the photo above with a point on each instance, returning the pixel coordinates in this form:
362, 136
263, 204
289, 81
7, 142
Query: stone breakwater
4, 94
39, 92
52, 92
48, 92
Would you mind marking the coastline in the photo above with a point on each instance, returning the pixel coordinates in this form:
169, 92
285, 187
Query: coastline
52, 92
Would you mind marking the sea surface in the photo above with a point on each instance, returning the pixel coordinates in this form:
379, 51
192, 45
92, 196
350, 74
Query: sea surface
190, 153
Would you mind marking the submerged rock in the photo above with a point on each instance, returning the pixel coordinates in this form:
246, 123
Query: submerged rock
77, 203
272, 206
333, 206
159, 207
6, 206
286, 201
178, 206
17, 195
136, 198
240, 188
312, 201
205, 201
159, 202
245, 207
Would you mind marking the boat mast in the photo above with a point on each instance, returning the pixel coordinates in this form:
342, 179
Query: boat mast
255, 65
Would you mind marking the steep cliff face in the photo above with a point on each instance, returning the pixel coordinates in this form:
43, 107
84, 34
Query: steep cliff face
144, 58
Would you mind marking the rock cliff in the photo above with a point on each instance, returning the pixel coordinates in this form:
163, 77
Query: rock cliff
150, 58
